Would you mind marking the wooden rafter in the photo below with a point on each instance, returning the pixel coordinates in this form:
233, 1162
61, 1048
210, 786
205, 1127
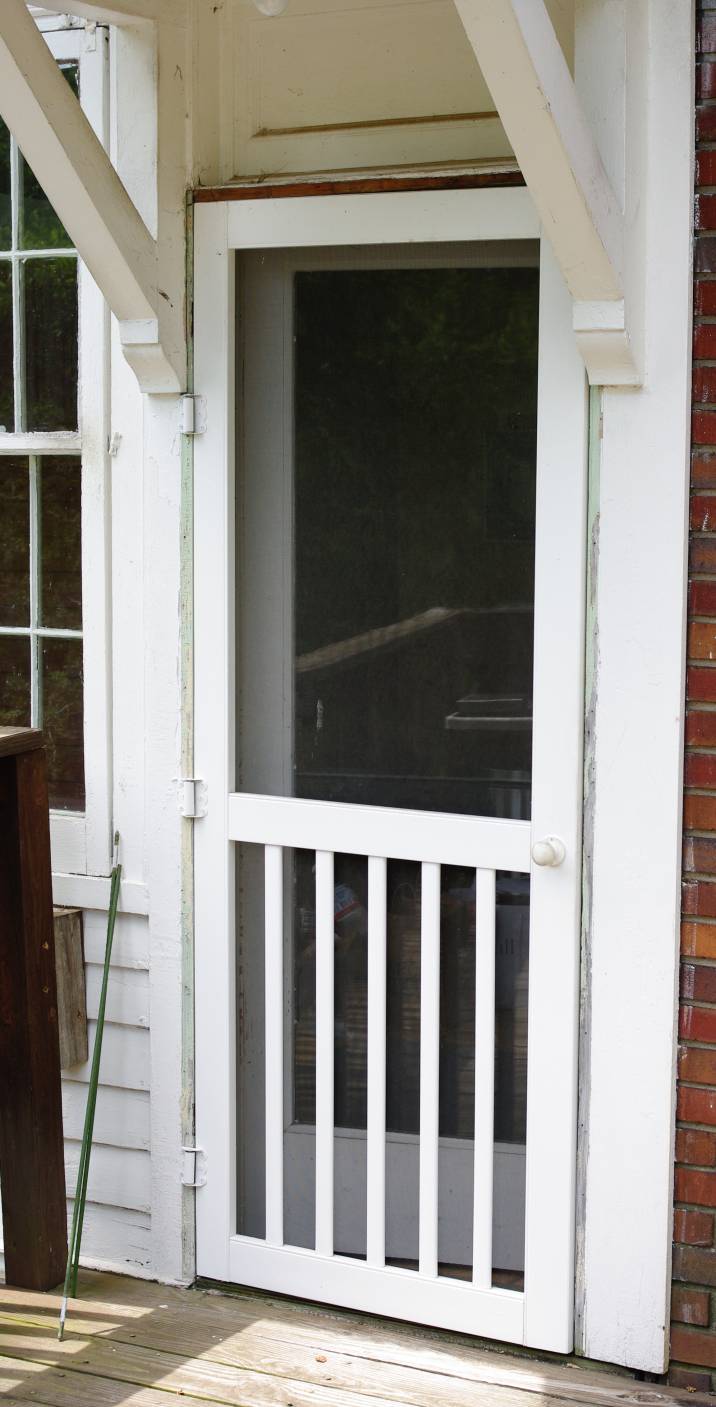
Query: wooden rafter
73, 168
525, 69
122, 11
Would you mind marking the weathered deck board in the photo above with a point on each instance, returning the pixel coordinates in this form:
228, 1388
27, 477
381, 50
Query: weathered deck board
35, 1383
266, 1348
132, 1341
261, 1381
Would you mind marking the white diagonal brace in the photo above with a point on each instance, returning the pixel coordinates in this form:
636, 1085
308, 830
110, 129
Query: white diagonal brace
525, 69
531, 86
74, 170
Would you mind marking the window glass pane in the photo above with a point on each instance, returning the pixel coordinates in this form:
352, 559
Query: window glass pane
14, 681
51, 343
7, 417
5, 212
40, 227
60, 544
14, 542
62, 722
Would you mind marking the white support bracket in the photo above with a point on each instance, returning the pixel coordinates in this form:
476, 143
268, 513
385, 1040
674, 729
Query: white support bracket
525, 69
74, 170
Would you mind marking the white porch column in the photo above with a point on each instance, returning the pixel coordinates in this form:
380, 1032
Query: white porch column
633, 823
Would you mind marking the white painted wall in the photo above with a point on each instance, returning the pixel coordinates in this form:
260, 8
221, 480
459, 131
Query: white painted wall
139, 1217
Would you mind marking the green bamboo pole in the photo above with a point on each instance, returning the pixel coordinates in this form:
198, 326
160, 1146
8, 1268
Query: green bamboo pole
78, 1213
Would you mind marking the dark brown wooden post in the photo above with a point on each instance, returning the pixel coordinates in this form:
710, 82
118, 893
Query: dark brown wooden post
31, 1149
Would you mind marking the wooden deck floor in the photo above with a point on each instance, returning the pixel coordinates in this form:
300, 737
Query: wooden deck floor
131, 1342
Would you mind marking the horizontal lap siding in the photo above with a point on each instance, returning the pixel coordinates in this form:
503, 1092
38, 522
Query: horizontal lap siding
693, 1316
117, 1228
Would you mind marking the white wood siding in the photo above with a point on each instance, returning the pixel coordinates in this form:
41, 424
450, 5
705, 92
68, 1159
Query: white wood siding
118, 1221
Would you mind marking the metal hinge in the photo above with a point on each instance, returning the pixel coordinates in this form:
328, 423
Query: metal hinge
193, 415
193, 1173
193, 797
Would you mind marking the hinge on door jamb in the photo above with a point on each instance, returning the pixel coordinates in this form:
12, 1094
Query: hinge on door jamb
193, 415
193, 797
193, 1173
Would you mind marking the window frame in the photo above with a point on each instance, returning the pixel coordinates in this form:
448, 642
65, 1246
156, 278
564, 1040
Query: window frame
81, 841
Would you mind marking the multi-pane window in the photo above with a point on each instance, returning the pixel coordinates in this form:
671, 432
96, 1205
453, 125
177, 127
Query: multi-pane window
41, 669
41, 611
38, 301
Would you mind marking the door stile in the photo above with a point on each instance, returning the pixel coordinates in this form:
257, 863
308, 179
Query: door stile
555, 896
214, 732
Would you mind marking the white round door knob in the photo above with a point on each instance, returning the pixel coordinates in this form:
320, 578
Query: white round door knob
548, 852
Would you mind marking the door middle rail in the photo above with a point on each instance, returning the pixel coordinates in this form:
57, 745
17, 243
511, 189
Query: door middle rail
428, 836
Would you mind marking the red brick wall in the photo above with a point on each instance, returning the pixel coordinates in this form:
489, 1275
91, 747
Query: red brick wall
693, 1310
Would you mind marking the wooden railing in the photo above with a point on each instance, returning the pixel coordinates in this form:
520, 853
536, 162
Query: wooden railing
31, 1147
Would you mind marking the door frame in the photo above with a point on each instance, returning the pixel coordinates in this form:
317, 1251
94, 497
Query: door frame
266, 462
546, 1313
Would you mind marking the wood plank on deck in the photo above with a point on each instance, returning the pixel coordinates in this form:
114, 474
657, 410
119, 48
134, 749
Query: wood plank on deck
134, 1341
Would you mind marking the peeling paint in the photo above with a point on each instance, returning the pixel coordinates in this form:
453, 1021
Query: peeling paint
591, 682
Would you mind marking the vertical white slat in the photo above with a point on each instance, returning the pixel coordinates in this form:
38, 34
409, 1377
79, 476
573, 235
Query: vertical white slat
485, 918
429, 1068
324, 1052
18, 289
273, 901
36, 709
375, 1154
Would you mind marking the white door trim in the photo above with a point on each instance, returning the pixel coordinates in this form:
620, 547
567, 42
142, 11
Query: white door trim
391, 217
562, 439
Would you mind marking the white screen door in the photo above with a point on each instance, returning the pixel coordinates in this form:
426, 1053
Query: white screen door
389, 592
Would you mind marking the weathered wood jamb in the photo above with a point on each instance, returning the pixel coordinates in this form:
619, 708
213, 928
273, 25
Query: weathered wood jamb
527, 74
71, 996
71, 165
279, 189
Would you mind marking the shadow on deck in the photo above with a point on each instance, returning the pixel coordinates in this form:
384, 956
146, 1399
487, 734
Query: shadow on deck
137, 1343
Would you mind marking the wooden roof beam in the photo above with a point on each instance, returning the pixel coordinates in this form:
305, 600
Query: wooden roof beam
122, 11
74, 170
534, 93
